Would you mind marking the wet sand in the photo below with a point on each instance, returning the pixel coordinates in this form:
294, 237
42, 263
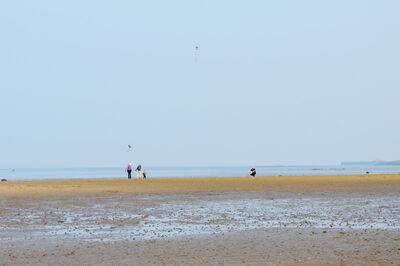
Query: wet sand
332, 220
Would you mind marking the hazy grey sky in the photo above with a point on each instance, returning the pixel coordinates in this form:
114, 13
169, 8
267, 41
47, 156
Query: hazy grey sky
276, 82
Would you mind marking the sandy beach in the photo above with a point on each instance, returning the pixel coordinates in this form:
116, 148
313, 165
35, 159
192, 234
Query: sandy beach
92, 187
310, 220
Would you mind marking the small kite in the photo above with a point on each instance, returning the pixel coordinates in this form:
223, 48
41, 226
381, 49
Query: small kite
196, 53
130, 147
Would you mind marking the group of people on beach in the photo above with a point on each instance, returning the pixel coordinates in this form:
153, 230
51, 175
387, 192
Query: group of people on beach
138, 171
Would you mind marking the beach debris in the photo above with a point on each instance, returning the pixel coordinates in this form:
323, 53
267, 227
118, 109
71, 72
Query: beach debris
69, 254
3, 179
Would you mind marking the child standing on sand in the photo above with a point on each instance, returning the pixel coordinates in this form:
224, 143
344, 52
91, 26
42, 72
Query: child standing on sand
144, 174
138, 171
129, 170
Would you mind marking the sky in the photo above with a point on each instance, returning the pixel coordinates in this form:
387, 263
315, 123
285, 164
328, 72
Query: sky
273, 83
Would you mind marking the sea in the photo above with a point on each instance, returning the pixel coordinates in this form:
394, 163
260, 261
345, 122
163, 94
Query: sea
13, 174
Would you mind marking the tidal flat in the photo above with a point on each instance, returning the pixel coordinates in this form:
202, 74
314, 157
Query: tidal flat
265, 220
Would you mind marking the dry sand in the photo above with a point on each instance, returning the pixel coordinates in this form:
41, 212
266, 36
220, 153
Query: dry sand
310, 220
350, 183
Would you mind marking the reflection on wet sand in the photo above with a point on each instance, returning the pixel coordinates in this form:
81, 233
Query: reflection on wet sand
153, 216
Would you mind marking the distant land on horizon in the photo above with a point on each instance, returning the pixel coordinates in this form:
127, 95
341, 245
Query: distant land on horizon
376, 162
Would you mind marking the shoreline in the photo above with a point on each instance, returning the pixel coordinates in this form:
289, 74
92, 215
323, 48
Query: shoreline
33, 174
96, 187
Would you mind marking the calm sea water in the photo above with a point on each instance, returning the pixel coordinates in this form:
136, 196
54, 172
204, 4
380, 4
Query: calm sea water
163, 172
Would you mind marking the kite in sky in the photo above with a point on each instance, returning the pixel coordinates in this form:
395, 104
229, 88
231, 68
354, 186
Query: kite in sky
196, 53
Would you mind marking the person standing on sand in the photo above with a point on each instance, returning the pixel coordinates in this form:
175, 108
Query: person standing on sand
129, 170
144, 174
138, 171
252, 172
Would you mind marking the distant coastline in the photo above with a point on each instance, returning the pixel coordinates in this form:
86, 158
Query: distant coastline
377, 162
